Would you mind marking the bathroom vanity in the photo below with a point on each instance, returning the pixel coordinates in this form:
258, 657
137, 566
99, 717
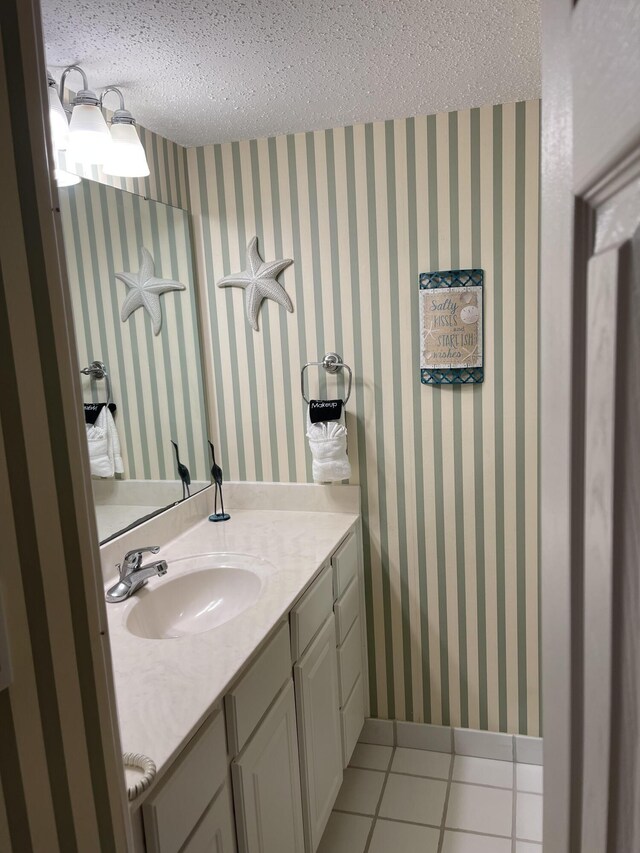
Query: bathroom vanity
250, 722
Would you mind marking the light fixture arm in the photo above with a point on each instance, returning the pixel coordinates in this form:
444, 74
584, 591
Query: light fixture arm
84, 96
122, 115
118, 93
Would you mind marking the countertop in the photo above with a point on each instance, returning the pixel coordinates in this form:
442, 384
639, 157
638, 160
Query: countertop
165, 688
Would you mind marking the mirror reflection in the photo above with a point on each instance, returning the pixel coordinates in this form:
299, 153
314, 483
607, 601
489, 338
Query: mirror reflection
132, 286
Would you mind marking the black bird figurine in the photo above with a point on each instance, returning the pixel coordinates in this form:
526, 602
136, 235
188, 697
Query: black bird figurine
183, 471
216, 473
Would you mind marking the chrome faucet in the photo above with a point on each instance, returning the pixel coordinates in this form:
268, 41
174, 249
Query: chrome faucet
133, 575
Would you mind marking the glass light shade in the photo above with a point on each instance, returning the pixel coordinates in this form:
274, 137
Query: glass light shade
126, 158
89, 137
58, 121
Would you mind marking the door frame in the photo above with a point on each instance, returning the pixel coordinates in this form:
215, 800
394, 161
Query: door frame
61, 772
584, 161
561, 439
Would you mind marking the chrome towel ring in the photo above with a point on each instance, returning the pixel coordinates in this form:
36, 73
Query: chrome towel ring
98, 370
332, 363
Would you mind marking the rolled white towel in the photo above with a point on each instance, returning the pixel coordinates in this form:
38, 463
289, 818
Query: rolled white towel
98, 442
113, 438
104, 446
328, 445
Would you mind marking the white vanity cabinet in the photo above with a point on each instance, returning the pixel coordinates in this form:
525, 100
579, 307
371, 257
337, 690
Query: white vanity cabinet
348, 589
216, 832
263, 739
263, 772
266, 783
191, 807
318, 709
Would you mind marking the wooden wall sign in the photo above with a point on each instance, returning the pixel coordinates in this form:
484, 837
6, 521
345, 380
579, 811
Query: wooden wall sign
450, 305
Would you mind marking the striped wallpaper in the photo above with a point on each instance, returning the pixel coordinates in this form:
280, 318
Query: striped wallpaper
156, 380
449, 476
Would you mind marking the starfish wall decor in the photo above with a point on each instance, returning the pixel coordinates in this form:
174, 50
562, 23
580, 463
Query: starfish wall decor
145, 290
258, 281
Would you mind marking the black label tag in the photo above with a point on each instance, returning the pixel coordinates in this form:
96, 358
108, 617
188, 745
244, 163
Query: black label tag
325, 410
92, 410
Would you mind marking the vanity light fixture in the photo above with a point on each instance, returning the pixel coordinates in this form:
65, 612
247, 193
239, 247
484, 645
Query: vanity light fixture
59, 124
126, 157
89, 137
57, 117
63, 178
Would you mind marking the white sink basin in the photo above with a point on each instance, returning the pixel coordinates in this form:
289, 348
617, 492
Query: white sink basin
209, 590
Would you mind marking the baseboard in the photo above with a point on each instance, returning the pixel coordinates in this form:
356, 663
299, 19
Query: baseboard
480, 744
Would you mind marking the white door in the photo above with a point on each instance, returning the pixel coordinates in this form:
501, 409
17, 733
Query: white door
317, 701
590, 394
266, 783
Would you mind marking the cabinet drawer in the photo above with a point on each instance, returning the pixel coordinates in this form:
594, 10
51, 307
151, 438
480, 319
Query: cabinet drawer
345, 565
352, 721
310, 612
349, 661
346, 609
215, 833
171, 813
249, 699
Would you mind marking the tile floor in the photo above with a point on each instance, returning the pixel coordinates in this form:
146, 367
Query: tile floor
397, 800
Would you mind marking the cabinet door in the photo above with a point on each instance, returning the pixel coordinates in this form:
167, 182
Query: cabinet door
173, 810
216, 833
316, 680
266, 783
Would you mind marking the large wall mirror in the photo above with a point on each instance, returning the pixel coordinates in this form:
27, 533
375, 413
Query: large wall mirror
116, 244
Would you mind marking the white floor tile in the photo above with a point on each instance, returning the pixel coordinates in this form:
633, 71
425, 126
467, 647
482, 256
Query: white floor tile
389, 836
464, 842
528, 847
371, 757
421, 763
415, 799
483, 771
345, 833
529, 778
360, 791
478, 809
529, 817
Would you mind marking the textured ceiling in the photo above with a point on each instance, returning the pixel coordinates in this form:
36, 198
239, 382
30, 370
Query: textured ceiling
202, 71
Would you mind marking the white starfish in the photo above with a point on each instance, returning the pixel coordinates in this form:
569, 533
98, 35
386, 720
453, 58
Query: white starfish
259, 282
145, 290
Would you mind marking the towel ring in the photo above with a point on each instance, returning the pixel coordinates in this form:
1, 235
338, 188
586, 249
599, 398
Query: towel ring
98, 370
332, 363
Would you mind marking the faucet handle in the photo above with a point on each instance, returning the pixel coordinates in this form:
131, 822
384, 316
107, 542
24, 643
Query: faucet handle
132, 559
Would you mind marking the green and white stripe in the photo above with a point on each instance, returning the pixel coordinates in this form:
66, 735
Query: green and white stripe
449, 475
156, 381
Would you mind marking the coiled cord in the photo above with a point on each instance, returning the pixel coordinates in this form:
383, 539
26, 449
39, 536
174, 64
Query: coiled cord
140, 762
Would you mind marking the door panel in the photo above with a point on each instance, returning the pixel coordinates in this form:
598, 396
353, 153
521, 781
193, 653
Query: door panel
316, 682
624, 782
266, 784
589, 462
602, 301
